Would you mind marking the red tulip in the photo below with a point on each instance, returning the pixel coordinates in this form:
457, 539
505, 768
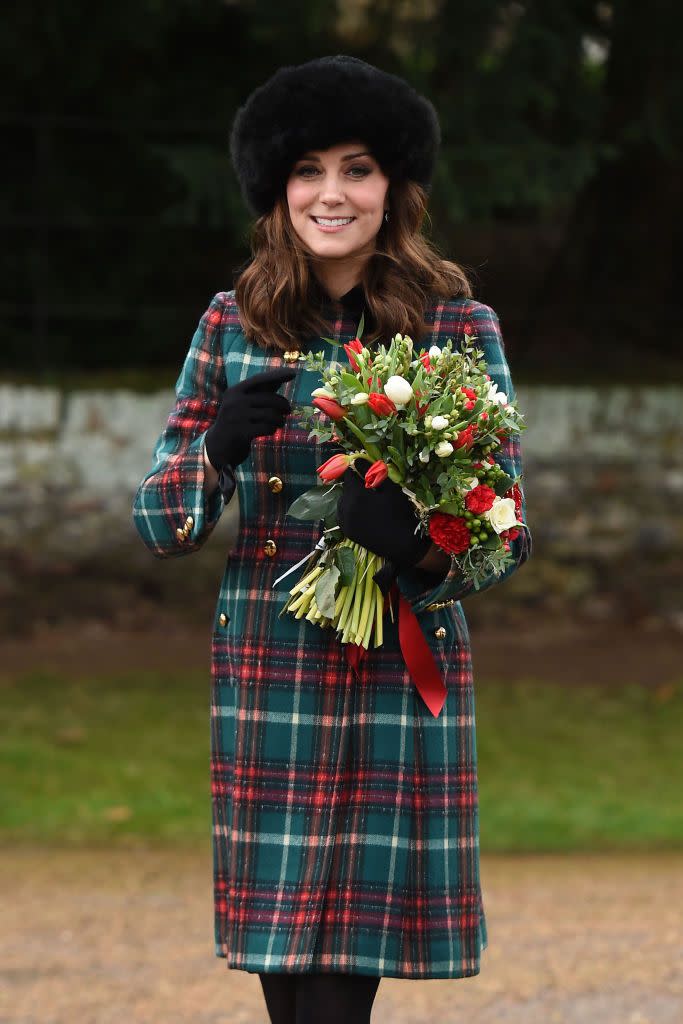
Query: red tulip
381, 405
335, 467
330, 407
376, 473
355, 346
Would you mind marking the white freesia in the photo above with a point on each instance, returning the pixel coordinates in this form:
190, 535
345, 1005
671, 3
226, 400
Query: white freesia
323, 393
443, 449
501, 515
502, 398
360, 399
439, 423
398, 390
434, 352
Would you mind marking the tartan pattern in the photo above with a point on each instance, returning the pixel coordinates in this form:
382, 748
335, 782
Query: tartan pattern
345, 816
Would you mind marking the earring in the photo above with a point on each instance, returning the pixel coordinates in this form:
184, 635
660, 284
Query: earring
386, 216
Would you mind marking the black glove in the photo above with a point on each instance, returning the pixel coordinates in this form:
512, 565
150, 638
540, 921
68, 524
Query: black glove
248, 410
381, 519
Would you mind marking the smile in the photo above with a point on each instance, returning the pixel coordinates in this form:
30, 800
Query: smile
332, 223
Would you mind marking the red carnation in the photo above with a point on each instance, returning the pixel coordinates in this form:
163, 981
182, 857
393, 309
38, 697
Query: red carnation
449, 532
424, 359
470, 392
465, 437
480, 499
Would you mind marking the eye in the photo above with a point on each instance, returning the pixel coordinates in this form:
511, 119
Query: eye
308, 167
362, 168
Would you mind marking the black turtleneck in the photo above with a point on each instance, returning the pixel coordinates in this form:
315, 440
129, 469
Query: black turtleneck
352, 304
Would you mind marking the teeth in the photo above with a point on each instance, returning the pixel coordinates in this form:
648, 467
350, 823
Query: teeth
333, 222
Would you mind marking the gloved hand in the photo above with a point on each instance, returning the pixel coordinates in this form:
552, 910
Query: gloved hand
248, 410
381, 519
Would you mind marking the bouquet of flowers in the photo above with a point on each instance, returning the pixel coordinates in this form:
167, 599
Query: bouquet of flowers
430, 421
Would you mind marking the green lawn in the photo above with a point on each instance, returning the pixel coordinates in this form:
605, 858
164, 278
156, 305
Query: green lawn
559, 768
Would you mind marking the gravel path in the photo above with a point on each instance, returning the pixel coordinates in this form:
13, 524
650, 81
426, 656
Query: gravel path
125, 937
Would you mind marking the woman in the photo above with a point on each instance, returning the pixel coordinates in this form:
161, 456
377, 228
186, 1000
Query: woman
345, 816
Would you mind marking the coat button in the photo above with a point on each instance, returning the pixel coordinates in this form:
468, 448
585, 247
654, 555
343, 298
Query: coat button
189, 521
275, 484
223, 619
291, 356
270, 547
180, 533
440, 632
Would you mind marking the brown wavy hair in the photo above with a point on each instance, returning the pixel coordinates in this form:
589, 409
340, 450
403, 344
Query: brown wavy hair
278, 296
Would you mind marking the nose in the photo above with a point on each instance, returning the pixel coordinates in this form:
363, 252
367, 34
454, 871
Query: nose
331, 190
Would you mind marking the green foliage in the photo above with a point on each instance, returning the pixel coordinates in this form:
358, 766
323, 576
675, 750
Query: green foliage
123, 208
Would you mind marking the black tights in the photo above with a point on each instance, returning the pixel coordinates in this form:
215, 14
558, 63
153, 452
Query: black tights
312, 998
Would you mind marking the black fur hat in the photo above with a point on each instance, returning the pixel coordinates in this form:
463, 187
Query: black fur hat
324, 102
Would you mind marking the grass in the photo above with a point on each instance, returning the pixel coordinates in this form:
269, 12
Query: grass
127, 760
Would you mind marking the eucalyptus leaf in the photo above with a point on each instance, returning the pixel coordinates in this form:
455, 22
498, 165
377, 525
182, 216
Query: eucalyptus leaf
315, 503
346, 563
324, 591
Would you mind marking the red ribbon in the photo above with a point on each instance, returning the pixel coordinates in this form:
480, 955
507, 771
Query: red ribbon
416, 652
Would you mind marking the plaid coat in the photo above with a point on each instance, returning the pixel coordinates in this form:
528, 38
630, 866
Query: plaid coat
345, 816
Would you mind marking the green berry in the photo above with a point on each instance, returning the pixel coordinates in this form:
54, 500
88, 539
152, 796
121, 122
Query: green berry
483, 535
473, 540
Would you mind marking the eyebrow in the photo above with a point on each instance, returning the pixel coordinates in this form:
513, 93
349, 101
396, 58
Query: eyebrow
349, 156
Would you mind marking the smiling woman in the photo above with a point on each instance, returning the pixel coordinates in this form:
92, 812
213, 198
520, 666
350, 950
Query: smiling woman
336, 200
345, 816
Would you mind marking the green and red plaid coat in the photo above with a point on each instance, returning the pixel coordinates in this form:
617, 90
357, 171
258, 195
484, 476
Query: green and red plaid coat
345, 816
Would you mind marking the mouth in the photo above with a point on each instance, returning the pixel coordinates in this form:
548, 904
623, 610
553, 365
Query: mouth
332, 224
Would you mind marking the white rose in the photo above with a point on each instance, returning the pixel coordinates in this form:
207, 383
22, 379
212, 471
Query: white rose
398, 390
434, 352
501, 515
323, 393
445, 448
360, 399
439, 423
424, 455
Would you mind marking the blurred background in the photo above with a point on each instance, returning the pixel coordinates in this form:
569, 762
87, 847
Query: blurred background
559, 188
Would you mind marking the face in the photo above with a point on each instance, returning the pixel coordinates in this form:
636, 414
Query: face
344, 184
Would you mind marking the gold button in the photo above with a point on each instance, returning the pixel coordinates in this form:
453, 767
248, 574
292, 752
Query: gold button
189, 521
275, 484
270, 547
440, 632
223, 619
291, 356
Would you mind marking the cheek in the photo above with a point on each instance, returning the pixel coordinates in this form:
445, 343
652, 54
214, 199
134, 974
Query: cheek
298, 195
370, 198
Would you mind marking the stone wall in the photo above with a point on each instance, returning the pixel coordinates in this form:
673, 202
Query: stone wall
604, 486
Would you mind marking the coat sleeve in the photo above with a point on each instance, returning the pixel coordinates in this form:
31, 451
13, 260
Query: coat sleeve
453, 587
170, 510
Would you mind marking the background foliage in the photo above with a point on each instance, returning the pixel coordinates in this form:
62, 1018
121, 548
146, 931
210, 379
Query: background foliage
559, 183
